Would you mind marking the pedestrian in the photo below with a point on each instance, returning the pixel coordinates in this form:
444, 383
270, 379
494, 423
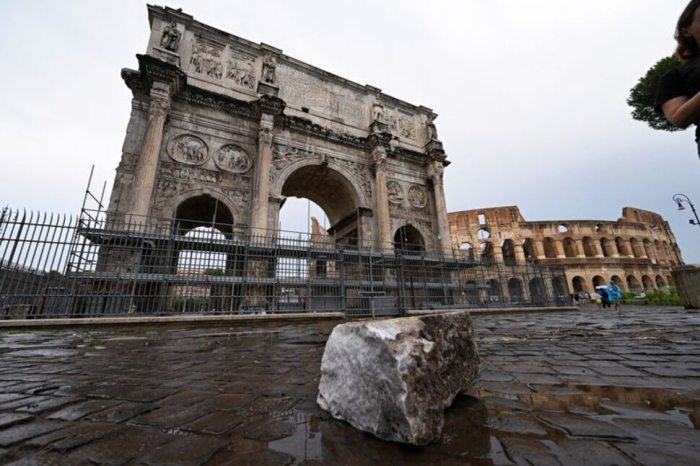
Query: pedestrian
678, 94
604, 298
615, 294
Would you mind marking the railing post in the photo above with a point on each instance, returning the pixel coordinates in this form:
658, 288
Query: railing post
400, 282
343, 296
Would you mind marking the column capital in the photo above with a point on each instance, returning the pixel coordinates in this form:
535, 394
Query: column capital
436, 171
379, 158
265, 135
160, 99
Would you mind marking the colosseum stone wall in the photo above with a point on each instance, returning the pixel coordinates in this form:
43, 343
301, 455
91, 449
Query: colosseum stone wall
637, 251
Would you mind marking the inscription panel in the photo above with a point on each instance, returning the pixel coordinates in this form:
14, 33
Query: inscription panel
305, 90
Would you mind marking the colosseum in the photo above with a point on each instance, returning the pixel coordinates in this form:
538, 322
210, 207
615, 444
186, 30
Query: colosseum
637, 251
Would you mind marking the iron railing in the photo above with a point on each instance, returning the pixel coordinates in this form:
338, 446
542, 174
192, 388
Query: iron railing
101, 265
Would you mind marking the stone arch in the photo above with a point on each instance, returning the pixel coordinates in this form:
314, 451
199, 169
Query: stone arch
588, 246
200, 209
618, 281
487, 253
622, 247
550, 250
570, 247
398, 223
559, 286
579, 284
598, 281
508, 252
647, 282
237, 214
660, 282
409, 238
529, 249
632, 283
515, 289
331, 187
646, 244
659, 253
494, 288
636, 247
467, 250
607, 247
537, 288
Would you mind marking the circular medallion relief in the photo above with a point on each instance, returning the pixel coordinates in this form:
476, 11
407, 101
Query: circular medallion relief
188, 149
233, 159
417, 196
394, 192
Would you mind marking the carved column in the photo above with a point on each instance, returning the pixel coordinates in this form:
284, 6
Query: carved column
261, 180
519, 254
381, 196
580, 250
435, 173
147, 166
268, 108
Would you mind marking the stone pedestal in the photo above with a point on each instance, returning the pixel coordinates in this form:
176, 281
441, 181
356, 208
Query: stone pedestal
687, 279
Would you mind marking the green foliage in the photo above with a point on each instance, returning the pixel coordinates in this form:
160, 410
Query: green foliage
214, 272
643, 95
665, 296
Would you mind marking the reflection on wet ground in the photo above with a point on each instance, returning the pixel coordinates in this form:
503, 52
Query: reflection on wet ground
588, 387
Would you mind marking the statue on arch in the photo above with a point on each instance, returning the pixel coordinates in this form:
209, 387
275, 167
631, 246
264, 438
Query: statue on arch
269, 73
171, 37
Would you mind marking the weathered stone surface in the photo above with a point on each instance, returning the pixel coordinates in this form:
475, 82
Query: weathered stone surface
394, 378
687, 279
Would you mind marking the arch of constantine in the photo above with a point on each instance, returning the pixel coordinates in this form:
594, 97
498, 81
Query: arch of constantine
223, 130
637, 251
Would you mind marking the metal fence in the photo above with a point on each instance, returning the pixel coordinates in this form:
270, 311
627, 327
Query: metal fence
96, 265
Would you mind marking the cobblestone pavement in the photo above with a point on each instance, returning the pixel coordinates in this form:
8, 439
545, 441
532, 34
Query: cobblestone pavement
588, 387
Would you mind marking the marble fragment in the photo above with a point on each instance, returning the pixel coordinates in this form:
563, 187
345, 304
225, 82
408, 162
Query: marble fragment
394, 378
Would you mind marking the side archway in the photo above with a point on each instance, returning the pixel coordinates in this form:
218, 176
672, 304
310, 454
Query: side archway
203, 210
515, 290
408, 238
579, 284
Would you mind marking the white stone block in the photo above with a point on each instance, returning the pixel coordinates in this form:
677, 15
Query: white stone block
394, 378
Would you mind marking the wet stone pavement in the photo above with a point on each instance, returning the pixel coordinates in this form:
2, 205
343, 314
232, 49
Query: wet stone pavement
588, 387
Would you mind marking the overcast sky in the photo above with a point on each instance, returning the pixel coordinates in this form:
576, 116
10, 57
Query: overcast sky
531, 94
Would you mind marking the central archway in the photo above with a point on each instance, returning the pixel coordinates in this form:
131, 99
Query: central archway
332, 191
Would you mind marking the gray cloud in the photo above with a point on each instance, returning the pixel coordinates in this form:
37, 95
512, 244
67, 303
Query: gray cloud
531, 95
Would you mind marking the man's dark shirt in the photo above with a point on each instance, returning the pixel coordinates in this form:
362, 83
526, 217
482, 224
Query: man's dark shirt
681, 81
